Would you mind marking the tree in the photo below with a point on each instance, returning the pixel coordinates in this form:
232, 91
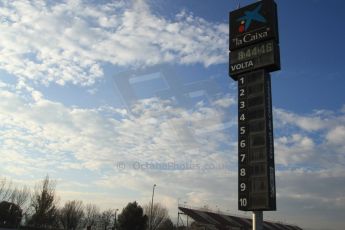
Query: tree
71, 214
159, 215
166, 225
106, 218
44, 205
92, 214
10, 214
132, 218
20, 197
5, 189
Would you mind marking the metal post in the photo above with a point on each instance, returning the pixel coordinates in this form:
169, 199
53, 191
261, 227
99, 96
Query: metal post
115, 219
258, 220
178, 218
187, 222
185, 205
153, 193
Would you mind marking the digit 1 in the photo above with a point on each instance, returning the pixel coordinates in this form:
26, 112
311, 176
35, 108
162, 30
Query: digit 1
241, 80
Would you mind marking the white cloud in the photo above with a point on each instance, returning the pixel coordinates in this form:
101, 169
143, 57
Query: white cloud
313, 140
225, 102
319, 189
40, 136
67, 42
336, 135
318, 194
70, 135
294, 149
308, 123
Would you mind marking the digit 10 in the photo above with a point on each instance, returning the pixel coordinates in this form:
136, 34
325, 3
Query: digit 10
243, 202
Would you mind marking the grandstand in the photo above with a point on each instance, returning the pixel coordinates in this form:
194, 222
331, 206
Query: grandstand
208, 220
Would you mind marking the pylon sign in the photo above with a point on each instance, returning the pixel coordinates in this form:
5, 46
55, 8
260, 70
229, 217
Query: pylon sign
253, 23
254, 54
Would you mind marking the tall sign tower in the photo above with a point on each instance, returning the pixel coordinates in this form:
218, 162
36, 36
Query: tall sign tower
254, 53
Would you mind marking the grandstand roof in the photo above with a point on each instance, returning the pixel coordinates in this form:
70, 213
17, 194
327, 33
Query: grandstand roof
221, 221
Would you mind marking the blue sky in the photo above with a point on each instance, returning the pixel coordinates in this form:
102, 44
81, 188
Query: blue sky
110, 97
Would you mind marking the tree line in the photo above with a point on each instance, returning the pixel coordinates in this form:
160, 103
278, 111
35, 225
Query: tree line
39, 209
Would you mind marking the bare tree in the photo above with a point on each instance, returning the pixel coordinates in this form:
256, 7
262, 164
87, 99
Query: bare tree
71, 214
92, 215
44, 205
166, 225
106, 218
5, 189
159, 215
20, 196
13, 195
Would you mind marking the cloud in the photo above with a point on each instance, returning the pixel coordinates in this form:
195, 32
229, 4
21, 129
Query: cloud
294, 149
315, 185
70, 41
124, 152
37, 129
103, 147
225, 102
41, 136
310, 162
319, 196
336, 135
307, 123
313, 140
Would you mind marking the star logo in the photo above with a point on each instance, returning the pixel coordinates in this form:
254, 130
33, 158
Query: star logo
250, 16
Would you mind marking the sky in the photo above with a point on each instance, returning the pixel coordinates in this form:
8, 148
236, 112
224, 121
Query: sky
111, 97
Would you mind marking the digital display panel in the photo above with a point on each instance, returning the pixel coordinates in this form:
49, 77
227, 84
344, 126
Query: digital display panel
262, 55
256, 179
252, 24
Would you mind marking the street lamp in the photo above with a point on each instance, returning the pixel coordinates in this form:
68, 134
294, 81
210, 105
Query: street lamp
185, 205
115, 223
153, 193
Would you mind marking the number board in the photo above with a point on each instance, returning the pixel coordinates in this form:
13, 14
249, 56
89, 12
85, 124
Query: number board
252, 24
256, 172
261, 55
